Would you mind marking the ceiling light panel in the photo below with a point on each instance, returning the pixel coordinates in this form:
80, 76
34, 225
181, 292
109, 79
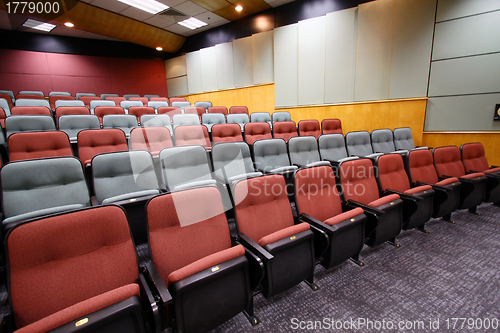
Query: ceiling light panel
34, 24
150, 6
192, 23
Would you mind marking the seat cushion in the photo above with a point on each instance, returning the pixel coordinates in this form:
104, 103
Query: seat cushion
447, 181
283, 233
82, 309
205, 263
384, 200
473, 175
344, 216
418, 189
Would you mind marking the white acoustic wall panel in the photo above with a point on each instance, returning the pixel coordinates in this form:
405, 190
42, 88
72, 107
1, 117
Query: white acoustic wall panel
452, 9
373, 57
177, 86
312, 61
243, 67
193, 62
286, 65
208, 69
340, 55
176, 67
263, 68
411, 48
225, 66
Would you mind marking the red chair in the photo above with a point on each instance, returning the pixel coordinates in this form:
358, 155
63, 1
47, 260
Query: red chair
71, 110
138, 111
152, 139
159, 99
34, 145
54, 98
93, 142
117, 100
29, 97
8, 99
177, 99
284, 130
144, 100
170, 110
217, 109
309, 127
101, 111
192, 135
331, 126
226, 133
238, 109
3, 116
257, 131
30, 110
86, 100
195, 110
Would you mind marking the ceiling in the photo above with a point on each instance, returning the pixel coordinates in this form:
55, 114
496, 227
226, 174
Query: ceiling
114, 20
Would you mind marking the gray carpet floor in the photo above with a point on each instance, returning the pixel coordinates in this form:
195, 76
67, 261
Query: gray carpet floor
452, 272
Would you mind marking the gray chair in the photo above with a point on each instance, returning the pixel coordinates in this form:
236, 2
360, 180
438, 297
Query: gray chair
127, 96
205, 105
332, 148
34, 188
96, 103
15, 124
33, 102
382, 141
210, 119
303, 152
157, 104
232, 161
125, 122
358, 144
185, 167
126, 104
181, 105
185, 120
78, 95
261, 117
5, 106
31, 92
10, 93
238, 118
103, 96
281, 116
62, 102
403, 139
156, 120
150, 96
271, 156
73, 124
59, 93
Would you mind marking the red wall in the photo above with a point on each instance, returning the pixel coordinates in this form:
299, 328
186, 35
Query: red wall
26, 70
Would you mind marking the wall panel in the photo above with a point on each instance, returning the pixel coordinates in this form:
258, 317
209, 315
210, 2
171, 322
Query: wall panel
452, 9
193, 62
176, 67
208, 69
225, 66
243, 64
178, 86
286, 69
263, 57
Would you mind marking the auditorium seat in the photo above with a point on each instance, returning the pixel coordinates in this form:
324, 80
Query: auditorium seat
285, 130
208, 280
211, 119
31, 92
101, 111
157, 104
197, 110
71, 110
403, 139
33, 145
159, 99
257, 131
266, 227
116, 99
104, 96
59, 93
151, 96
177, 99
185, 120
32, 102
232, 161
359, 144
331, 126
125, 122
309, 127
448, 163
204, 105
238, 109
65, 103
54, 98
78, 95
31, 97
189, 135
226, 133
3, 116
180, 105
96, 103
281, 116
73, 124
10, 101
129, 96
30, 110
144, 100
304, 153
170, 111
261, 117
127, 104
4, 105
87, 99
239, 118
98, 141
76, 271
359, 189
156, 120
9, 93
138, 111
332, 148
271, 156
218, 109
383, 142
15, 124
318, 203
152, 139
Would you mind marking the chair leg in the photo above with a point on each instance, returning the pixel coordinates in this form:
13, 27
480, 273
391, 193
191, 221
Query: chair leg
250, 315
355, 259
447, 218
473, 210
422, 229
311, 284
393, 242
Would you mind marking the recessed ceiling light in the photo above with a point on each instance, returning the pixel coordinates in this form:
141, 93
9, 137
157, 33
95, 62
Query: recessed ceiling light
34, 24
150, 6
159, 48
239, 8
192, 23
69, 24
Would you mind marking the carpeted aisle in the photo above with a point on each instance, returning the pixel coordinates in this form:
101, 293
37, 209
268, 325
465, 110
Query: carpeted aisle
453, 272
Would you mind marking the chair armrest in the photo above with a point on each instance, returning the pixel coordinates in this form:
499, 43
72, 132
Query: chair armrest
403, 195
321, 238
93, 201
317, 223
366, 208
494, 166
164, 188
257, 271
435, 187
248, 243
332, 162
156, 281
219, 179
300, 166
146, 294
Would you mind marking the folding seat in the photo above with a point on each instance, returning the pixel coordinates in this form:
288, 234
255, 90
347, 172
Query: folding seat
151, 96
238, 109
31, 92
169, 110
8, 93
127, 104
157, 104
77, 271
128, 96
211, 119
49, 185
331, 126
266, 227
71, 110
180, 105
33, 145
30, 110
309, 127
10, 101
303, 152
448, 163
101, 111
87, 99
78, 95
359, 189
382, 141
281, 116
104, 96
156, 120
284, 130
204, 105
185, 120
143, 100
15, 124
218, 109
73, 124
318, 203
261, 117
332, 148
257, 131
59, 93
138, 111
403, 139
417, 201
195, 110
209, 281
177, 99
271, 156
32, 102
226, 133
116, 99
96, 103
159, 99
358, 144
185, 167
232, 161
54, 98
152, 139
65, 103
192, 135
239, 118
93, 142
125, 122
474, 160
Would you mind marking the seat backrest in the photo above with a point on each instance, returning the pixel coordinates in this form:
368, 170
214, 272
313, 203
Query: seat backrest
125, 122
32, 102
31, 92
332, 147
170, 110
197, 110
232, 159
270, 154
72, 124
331, 126
303, 150
119, 173
150, 96
144, 100
14, 124
185, 119
101, 111
238, 118
177, 99
238, 109
218, 109
138, 111
358, 143
192, 135
129, 96
204, 105
281, 116
71, 110
316, 193
33, 145
152, 139
117, 100
95, 103
403, 138
382, 141
86, 239
473, 157
391, 173
23, 96
420, 166
309, 127
78, 95
159, 99
5, 106
210, 119
357, 178
260, 117
8, 93
259, 212
104, 96
62, 103
226, 133
448, 162
182, 165
156, 120
284, 130
257, 131
7, 98
30, 110
54, 98
59, 93
127, 104
98, 141
43, 183
180, 105
157, 104
87, 99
